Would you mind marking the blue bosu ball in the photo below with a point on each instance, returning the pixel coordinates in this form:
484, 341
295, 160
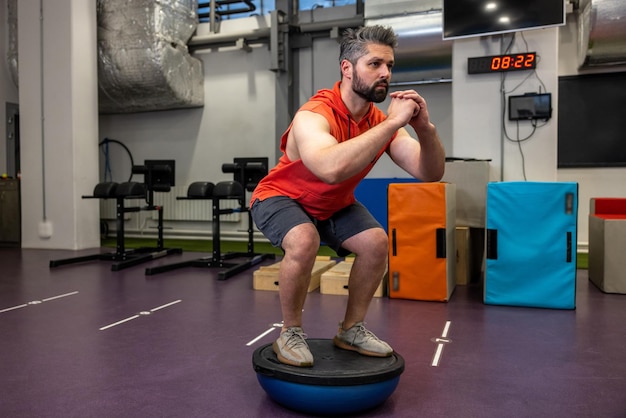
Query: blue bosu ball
341, 382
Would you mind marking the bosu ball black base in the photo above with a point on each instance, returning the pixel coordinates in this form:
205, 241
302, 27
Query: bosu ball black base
340, 382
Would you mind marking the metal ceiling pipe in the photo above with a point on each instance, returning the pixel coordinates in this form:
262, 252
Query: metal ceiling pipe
228, 37
143, 60
602, 33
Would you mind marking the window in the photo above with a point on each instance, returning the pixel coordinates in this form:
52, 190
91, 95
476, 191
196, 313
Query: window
229, 9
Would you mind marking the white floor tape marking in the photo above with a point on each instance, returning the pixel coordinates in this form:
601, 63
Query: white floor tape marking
119, 322
60, 296
260, 336
444, 334
442, 341
15, 307
37, 302
274, 326
437, 356
166, 305
137, 316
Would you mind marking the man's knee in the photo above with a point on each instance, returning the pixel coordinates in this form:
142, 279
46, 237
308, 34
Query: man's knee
380, 243
373, 243
302, 240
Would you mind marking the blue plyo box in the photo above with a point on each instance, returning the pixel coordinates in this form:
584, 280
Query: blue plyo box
372, 193
531, 235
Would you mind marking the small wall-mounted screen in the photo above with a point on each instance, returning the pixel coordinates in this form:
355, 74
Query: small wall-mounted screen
530, 107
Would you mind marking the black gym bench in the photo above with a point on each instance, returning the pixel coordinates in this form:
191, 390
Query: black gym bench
247, 172
158, 177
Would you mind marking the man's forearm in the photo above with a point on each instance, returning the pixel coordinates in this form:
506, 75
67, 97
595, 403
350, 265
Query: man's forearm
432, 155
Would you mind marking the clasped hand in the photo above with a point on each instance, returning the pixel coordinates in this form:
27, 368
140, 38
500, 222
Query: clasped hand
408, 107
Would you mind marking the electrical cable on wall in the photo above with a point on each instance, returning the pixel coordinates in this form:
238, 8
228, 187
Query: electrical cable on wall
503, 97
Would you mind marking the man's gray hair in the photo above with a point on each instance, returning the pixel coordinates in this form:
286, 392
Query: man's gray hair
355, 41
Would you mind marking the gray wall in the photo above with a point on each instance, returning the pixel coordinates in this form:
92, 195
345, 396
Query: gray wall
238, 120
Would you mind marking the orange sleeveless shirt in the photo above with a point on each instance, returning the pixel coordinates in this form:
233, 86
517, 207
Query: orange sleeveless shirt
293, 179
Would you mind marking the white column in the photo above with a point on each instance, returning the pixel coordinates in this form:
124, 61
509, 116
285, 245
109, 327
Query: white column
59, 156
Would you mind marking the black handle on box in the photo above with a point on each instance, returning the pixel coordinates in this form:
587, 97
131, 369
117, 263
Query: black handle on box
441, 242
569, 203
569, 247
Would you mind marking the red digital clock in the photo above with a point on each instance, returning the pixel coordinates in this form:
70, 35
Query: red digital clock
502, 63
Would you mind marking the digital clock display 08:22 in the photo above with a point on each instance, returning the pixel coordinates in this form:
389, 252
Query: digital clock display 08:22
502, 63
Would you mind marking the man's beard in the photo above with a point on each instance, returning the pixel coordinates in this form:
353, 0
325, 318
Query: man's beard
369, 93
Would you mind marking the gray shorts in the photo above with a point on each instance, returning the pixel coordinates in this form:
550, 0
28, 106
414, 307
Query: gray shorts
277, 215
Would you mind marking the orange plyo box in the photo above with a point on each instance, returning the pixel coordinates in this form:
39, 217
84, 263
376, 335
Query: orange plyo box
422, 249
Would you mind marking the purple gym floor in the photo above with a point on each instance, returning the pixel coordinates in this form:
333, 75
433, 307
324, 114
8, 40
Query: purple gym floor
83, 341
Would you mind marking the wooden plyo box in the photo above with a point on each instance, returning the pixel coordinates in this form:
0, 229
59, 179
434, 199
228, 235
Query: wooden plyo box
335, 280
266, 277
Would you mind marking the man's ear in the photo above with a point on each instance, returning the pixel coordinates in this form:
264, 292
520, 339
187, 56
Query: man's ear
346, 69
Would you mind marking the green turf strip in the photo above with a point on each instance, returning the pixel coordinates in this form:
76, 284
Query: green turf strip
582, 259
205, 246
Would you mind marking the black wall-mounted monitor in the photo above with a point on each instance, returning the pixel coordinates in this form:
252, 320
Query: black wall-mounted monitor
530, 106
468, 18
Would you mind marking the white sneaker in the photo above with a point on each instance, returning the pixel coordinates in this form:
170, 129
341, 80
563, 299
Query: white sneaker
360, 339
291, 348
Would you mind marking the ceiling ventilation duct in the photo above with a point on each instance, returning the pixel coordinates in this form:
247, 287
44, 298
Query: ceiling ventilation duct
602, 33
421, 56
143, 60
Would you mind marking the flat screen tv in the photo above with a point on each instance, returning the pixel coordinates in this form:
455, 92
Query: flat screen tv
467, 18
